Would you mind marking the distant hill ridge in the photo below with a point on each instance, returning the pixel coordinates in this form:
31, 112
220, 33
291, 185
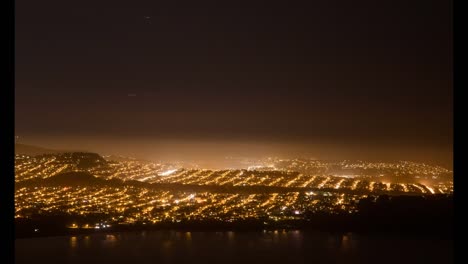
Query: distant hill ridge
30, 150
83, 160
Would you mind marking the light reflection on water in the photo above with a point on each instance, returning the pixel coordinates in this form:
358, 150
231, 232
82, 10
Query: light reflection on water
111, 238
73, 242
86, 241
231, 247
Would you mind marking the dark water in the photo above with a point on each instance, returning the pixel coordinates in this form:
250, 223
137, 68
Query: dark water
285, 247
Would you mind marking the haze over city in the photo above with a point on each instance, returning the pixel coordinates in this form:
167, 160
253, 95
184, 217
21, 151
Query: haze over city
163, 79
216, 153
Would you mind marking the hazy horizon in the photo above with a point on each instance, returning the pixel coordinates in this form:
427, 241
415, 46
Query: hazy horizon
162, 80
213, 153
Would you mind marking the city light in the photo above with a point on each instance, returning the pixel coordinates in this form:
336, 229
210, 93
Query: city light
147, 203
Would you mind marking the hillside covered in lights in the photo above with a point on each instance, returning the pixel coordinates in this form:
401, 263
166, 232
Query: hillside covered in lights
91, 192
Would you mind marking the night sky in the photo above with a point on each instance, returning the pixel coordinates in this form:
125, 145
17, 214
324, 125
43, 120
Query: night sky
363, 78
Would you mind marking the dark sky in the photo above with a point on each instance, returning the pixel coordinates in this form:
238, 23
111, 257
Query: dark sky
342, 73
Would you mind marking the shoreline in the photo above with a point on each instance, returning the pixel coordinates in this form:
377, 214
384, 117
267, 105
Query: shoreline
435, 233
